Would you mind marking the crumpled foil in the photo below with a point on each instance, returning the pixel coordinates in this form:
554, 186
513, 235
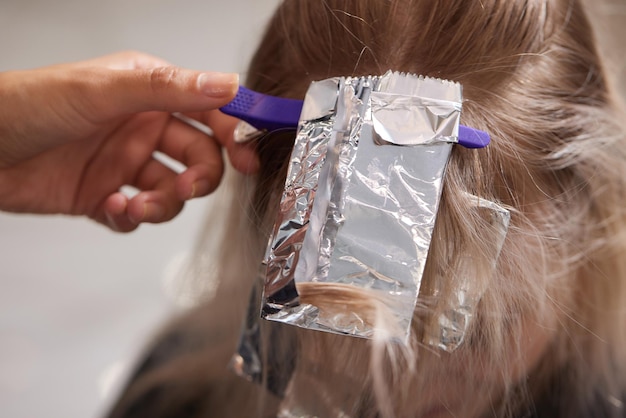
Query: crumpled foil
360, 200
357, 213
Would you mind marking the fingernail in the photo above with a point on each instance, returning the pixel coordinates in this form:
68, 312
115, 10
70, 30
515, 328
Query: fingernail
218, 84
111, 222
152, 212
199, 188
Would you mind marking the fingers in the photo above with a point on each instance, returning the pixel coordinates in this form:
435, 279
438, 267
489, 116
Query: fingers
154, 206
124, 215
243, 157
127, 60
115, 214
197, 181
163, 192
158, 201
201, 154
175, 89
121, 92
123, 60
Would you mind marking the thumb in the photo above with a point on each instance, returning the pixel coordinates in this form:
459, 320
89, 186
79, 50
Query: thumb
169, 89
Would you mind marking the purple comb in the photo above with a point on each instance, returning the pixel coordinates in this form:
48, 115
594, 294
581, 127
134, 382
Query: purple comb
272, 113
264, 112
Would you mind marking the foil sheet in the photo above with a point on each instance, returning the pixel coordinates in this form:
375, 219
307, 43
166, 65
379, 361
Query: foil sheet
258, 358
358, 211
360, 202
450, 327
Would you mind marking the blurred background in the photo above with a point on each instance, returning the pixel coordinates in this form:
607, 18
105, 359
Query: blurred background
77, 302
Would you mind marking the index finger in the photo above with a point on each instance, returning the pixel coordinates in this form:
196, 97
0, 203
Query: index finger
123, 60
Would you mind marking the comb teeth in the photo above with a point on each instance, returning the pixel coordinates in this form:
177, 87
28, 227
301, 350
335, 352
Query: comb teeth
263, 111
245, 101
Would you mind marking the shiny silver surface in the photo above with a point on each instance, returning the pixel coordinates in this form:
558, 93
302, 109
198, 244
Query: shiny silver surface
360, 200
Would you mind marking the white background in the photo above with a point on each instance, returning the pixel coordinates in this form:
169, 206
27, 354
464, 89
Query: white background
77, 302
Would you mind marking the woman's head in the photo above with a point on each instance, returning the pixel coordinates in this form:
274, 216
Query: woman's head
551, 309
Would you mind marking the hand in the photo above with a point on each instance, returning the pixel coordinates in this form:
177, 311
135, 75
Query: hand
71, 135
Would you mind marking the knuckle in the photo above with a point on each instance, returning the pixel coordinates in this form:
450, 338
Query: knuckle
83, 92
130, 53
163, 77
129, 56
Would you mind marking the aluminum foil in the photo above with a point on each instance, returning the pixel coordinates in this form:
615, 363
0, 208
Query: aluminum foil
360, 200
258, 358
447, 332
357, 212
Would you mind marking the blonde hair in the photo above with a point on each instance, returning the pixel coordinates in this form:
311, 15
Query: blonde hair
532, 79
